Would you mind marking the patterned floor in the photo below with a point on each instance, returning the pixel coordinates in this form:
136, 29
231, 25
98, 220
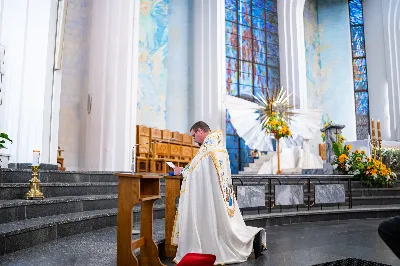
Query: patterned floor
351, 262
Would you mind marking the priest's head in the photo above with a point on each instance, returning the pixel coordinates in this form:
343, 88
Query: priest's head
199, 131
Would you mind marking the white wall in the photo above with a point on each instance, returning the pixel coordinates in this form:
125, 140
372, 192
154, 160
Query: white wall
112, 82
27, 97
382, 34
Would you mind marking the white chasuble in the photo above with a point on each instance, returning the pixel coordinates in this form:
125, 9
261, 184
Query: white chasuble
208, 219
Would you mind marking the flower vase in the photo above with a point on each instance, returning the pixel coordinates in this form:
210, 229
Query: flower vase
278, 150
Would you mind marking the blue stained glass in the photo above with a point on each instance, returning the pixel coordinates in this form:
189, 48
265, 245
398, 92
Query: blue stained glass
359, 66
231, 39
356, 12
232, 89
244, 154
245, 31
360, 81
245, 79
273, 54
357, 41
362, 105
230, 130
233, 152
260, 70
258, 12
246, 91
260, 90
260, 58
273, 84
231, 76
273, 73
245, 49
259, 3
260, 81
244, 7
230, 15
259, 46
258, 35
272, 6
234, 160
244, 19
272, 38
228, 116
230, 27
230, 4
231, 63
258, 23
231, 51
245, 67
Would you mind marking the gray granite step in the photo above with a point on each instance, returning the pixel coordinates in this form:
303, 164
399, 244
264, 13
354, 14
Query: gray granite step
14, 210
18, 190
46, 176
22, 234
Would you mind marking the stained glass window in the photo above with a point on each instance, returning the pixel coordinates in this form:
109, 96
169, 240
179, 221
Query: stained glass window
252, 60
359, 68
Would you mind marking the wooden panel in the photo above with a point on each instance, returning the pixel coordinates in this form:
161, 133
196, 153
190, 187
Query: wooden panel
143, 137
322, 151
156, 134
177, 136
186, 152
166, 134
172, 191
194, 151
161, 149
175, 150
187, 139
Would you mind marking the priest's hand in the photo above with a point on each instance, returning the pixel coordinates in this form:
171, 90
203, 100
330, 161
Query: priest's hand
178, 170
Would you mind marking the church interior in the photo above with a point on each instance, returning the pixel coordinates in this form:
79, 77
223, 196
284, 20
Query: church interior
97, 96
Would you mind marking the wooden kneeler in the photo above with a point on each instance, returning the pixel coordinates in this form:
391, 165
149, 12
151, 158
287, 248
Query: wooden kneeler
132, 189
172, 192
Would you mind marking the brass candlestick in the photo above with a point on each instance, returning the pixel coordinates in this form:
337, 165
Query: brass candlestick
34, 186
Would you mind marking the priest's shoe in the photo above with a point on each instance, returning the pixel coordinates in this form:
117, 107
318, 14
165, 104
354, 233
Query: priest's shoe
257, 245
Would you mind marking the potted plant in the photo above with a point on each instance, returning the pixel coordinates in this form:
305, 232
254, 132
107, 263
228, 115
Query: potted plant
4, 158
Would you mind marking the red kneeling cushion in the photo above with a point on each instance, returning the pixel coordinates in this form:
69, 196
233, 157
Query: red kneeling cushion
196, 259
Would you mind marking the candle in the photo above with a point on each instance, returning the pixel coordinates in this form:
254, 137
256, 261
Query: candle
379, 129
36, 158
373, 128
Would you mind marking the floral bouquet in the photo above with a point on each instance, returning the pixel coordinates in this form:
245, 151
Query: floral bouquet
370, 171
326, 121
277, 126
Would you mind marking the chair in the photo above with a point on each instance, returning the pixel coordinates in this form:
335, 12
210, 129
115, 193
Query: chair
143, 150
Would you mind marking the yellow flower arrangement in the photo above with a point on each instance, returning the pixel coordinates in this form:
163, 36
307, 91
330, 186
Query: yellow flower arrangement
277, 126
369, 170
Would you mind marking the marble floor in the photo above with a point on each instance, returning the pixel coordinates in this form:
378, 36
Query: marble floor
303, 244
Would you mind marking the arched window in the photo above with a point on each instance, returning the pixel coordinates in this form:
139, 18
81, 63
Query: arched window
252, 60
359, 68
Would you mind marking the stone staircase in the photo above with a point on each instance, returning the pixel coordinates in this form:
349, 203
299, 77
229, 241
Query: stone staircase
256, 165
76, 202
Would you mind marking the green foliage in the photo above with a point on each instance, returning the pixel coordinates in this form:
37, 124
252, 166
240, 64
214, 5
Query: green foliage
3, 138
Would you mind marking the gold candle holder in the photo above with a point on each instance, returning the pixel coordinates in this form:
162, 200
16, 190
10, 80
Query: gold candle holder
34, 186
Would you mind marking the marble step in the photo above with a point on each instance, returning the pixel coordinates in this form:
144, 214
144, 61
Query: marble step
18, 190
23, 176
27, 233
14, 210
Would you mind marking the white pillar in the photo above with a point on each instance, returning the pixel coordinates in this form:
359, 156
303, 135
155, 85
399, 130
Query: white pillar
112, 83
27, 99
292, 50
208, 61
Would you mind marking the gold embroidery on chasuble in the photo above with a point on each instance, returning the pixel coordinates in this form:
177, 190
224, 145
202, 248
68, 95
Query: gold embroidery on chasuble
214, 146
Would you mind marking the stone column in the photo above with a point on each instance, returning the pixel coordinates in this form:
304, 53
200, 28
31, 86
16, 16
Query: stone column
331, 133
27, 106
208, 72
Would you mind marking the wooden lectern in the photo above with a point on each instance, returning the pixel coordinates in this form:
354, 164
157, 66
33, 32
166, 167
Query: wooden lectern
132, 189
172, 192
